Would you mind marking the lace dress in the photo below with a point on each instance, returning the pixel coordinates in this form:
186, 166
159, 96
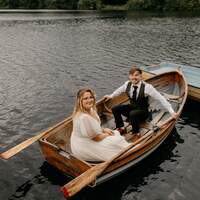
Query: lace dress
85, 127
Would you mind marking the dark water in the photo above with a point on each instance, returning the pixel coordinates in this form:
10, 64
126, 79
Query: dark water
46, 58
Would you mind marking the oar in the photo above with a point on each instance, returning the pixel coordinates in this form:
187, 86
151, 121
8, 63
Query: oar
14, 150
91, 174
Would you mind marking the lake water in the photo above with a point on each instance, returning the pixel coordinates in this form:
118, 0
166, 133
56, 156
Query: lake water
46, 57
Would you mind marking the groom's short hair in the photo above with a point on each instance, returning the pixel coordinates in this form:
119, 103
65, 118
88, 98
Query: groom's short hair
135, 69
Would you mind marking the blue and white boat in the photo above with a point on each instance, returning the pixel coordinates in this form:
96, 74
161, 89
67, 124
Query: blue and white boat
191, 73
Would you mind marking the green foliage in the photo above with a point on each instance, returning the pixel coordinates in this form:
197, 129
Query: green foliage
190, 5
164, 5
114, 7
171, 5
30, 4
139, 4
89, 4
4, 3
39, 4
158, 5
114, 2
86, 4
61, 4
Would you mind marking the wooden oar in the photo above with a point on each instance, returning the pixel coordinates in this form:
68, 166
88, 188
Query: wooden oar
16, 149
91, 174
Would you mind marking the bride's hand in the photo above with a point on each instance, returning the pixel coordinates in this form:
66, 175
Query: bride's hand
108, 131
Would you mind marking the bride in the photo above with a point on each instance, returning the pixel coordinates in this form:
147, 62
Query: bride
89, 141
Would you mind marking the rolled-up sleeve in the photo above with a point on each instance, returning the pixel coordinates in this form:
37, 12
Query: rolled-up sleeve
152, 92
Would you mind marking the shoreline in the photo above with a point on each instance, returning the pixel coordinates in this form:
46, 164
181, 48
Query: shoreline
106, 10
42, 11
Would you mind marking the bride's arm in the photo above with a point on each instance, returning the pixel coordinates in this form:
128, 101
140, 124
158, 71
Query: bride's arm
92, 130
100, 136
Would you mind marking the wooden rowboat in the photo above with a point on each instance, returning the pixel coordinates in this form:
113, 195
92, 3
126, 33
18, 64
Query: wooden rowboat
192, 75
55, 145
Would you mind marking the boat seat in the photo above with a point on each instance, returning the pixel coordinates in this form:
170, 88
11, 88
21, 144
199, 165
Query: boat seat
173, 98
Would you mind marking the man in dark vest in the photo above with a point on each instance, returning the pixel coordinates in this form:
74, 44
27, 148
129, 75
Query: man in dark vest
138, 92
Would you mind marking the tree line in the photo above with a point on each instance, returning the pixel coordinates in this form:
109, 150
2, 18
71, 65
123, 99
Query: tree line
158, 5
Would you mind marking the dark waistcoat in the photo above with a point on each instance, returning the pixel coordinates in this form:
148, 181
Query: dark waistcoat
141, 101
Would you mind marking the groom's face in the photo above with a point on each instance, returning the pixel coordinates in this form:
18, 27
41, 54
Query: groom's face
135, 78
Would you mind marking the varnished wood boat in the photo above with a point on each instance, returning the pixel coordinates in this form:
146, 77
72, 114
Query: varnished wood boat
56, 147
191, 74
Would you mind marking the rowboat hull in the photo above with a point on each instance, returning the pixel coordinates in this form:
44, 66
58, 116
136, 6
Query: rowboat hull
55, 145
192, 75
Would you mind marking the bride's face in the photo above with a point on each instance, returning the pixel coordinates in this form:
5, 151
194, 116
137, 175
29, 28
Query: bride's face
87, 101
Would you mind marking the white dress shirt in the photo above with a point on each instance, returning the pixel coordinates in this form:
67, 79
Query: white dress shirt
148, 91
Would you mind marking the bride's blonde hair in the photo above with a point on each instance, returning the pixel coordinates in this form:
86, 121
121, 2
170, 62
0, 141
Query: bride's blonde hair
78, 108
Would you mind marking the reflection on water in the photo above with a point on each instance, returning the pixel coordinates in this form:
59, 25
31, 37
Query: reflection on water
23, 189
46, 58
190, 115
47, 174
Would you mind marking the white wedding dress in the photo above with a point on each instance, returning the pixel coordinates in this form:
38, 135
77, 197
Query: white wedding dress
85, 127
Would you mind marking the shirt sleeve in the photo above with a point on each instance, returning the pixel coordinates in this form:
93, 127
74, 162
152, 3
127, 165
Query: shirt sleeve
152, 92
88, 127
119, 90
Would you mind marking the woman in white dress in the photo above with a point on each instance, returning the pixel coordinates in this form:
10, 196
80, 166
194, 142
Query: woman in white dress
89, 141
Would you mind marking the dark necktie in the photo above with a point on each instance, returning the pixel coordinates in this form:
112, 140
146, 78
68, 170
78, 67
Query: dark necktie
134, 93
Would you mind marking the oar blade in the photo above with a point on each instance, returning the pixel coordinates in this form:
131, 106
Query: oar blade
75, 185
14, 150
11, 152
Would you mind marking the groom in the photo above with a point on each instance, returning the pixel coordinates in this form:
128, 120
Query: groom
138, 92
